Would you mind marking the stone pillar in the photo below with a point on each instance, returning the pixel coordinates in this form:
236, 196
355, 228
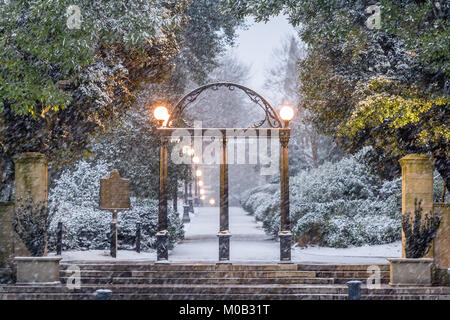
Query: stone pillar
417, 183
31, 177
441, 244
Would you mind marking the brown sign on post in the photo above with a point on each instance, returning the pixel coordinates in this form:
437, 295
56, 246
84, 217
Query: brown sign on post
114, 192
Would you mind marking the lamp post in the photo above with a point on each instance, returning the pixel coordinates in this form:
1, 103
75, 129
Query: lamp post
285, 235
224, 234
162, 236
196, 160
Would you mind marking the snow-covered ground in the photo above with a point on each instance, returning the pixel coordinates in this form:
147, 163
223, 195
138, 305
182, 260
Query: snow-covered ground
249, 243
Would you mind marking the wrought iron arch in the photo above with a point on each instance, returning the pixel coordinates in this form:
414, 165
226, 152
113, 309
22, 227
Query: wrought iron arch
271, 116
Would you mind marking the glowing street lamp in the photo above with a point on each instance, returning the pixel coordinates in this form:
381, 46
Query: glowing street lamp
200, 183
198, 173
212, 201
196, 159
202, 191
162, 115
286, 114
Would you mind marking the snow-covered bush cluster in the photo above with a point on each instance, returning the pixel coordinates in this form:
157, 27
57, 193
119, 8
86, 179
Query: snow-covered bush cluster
336, 205
75, 195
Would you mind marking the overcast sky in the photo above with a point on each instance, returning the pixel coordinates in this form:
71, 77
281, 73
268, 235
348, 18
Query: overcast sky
255, 45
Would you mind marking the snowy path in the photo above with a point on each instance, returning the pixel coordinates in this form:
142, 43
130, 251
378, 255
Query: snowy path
248, 240
248, 243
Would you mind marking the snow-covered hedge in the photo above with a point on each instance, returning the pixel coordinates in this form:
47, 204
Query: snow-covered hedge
75, 195
338, 205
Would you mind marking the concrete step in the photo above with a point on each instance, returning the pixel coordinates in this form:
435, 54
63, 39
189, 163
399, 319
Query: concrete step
223, 289
192, 274
80, 296
341, 267
363, 280
180, 267
144, 280
120, 266
349, 274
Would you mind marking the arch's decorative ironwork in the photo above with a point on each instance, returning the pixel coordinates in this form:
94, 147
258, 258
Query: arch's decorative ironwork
271, 116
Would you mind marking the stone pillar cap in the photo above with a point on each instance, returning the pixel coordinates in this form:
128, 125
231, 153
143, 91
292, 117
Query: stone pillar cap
415, 157
26, 156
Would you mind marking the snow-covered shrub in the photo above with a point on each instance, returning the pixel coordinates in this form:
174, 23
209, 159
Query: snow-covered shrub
341, 204
86, 227
257, 200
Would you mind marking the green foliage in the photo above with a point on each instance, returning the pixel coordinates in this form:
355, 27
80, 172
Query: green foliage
419, 230
39, 49
386, 88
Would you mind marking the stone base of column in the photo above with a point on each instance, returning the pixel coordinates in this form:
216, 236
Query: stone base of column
162, 246
285, 246
191, 206
224, 246
186, 218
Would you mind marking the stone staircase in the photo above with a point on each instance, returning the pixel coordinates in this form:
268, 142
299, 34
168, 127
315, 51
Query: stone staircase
139, 281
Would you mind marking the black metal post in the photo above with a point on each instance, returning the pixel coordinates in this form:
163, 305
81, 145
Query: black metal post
162, 236
285, 234
113, 240
191, 204
224, 232
186, 218
59, 238
354, 290
195, 186
175, 197
185, 191
138, 237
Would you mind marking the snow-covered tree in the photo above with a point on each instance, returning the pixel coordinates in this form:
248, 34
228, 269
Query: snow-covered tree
308, 148
385, 86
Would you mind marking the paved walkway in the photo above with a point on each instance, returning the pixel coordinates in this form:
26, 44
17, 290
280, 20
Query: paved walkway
248, 240
249, 243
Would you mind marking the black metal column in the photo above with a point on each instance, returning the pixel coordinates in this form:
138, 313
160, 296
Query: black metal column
224, 232
175, 197
196, 193
190, 201
162, 236
285, 234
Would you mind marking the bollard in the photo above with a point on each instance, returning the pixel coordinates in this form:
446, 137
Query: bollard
354, 290
138, 237
103, 294
186, 218
59, 239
